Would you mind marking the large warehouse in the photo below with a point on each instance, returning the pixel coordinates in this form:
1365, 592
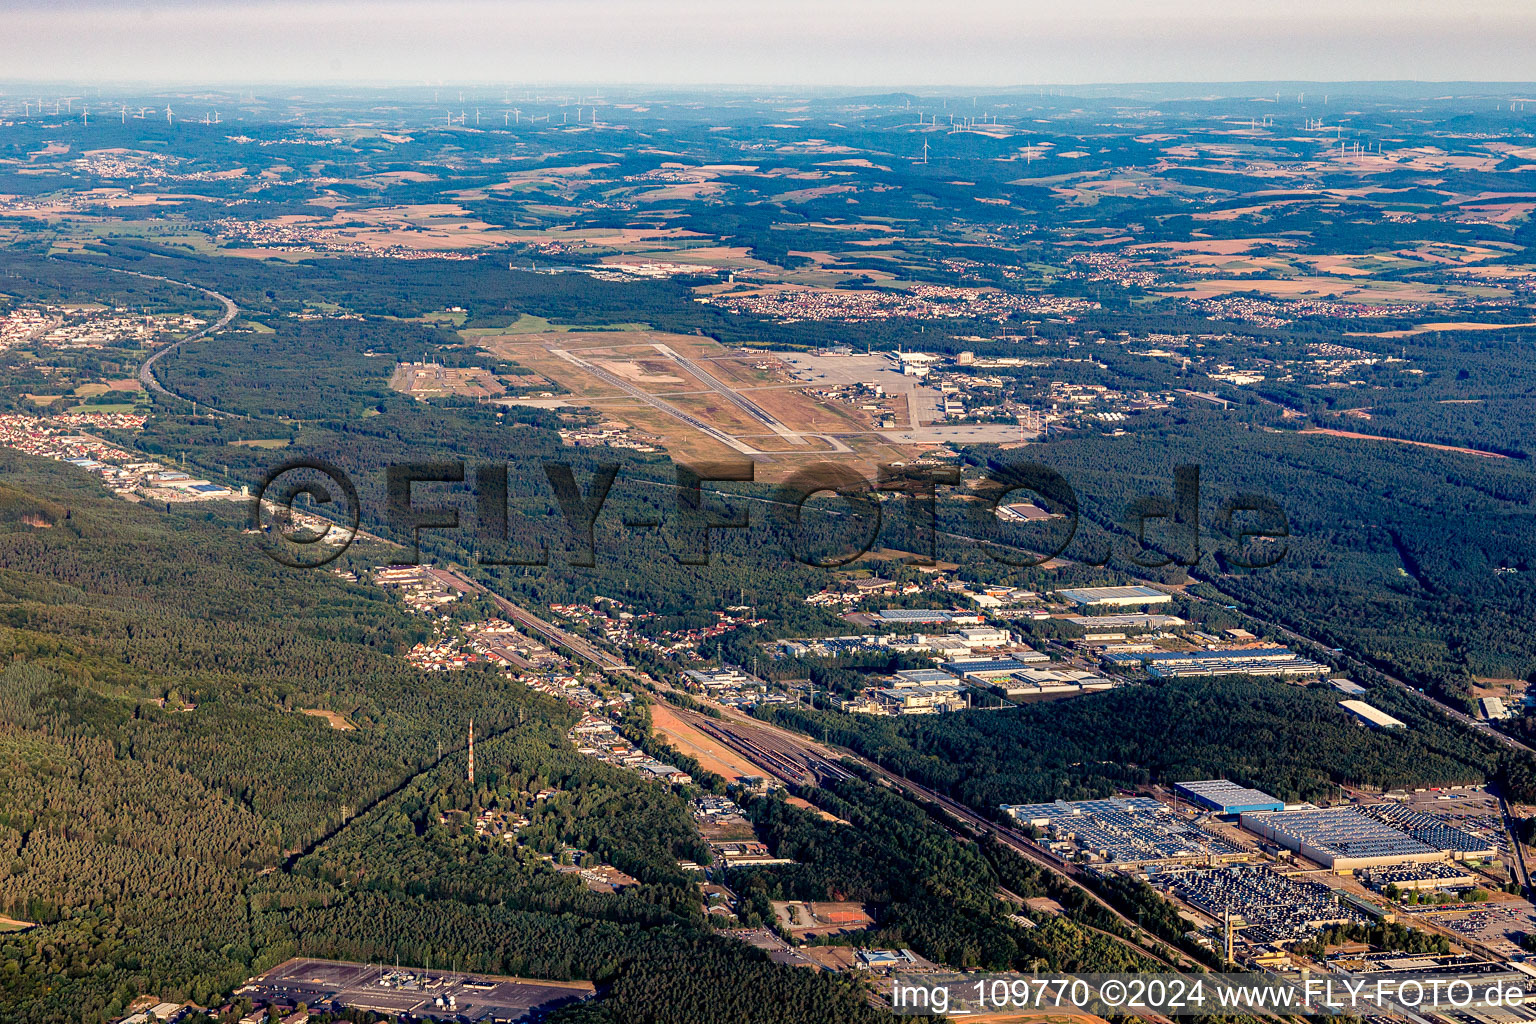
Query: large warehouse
1340, 838
1225, 797
1373, 717
1251, 661
1114, 597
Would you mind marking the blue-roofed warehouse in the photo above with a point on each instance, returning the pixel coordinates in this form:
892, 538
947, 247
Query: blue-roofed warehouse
1225, 797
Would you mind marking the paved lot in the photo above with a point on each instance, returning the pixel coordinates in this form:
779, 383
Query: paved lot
396, 990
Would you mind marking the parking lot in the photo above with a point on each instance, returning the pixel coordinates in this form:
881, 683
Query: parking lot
404, 990
1272, 907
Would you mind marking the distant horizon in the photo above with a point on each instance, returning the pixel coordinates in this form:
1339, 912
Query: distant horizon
7, 85
984, 43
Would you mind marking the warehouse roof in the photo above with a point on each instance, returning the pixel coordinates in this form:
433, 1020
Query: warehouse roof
915, 615
1372, 716
1222, 794
1095, 595
1339, 832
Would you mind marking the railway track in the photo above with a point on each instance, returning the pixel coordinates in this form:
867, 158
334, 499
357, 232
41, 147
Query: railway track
789, 762
531, 622
795, 760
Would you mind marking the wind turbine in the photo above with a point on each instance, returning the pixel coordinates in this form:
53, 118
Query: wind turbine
85, 117
168, 115
125, 113
925, 152
517, 113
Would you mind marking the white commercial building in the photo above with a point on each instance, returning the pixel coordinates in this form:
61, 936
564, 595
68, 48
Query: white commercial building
1115, 597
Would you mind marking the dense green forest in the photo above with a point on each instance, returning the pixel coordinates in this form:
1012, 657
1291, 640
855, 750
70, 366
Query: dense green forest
1292, 741
157, 665
1400, 556
173, 825
171, 820
931, 893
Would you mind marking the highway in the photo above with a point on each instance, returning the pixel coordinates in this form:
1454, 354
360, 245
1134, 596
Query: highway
147, 368
1480, 727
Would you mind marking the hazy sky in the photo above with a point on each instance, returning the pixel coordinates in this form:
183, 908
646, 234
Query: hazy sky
806, 42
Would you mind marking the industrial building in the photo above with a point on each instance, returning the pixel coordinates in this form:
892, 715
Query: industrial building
1373, 717
1225, 797
1419, 876
984, 636
1493, 708
923, 698
723, 678
1247, 661
1114, 597
1138, 830
918, 676
984, 670
1126, 620
1438, 976
916, 616
1347, 686
1060, 679
1340, 838
1024, 512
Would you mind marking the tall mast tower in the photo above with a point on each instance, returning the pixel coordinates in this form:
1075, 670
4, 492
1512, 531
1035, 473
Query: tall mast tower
471, 751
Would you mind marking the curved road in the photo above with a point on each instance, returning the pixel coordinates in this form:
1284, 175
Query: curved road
147, 368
